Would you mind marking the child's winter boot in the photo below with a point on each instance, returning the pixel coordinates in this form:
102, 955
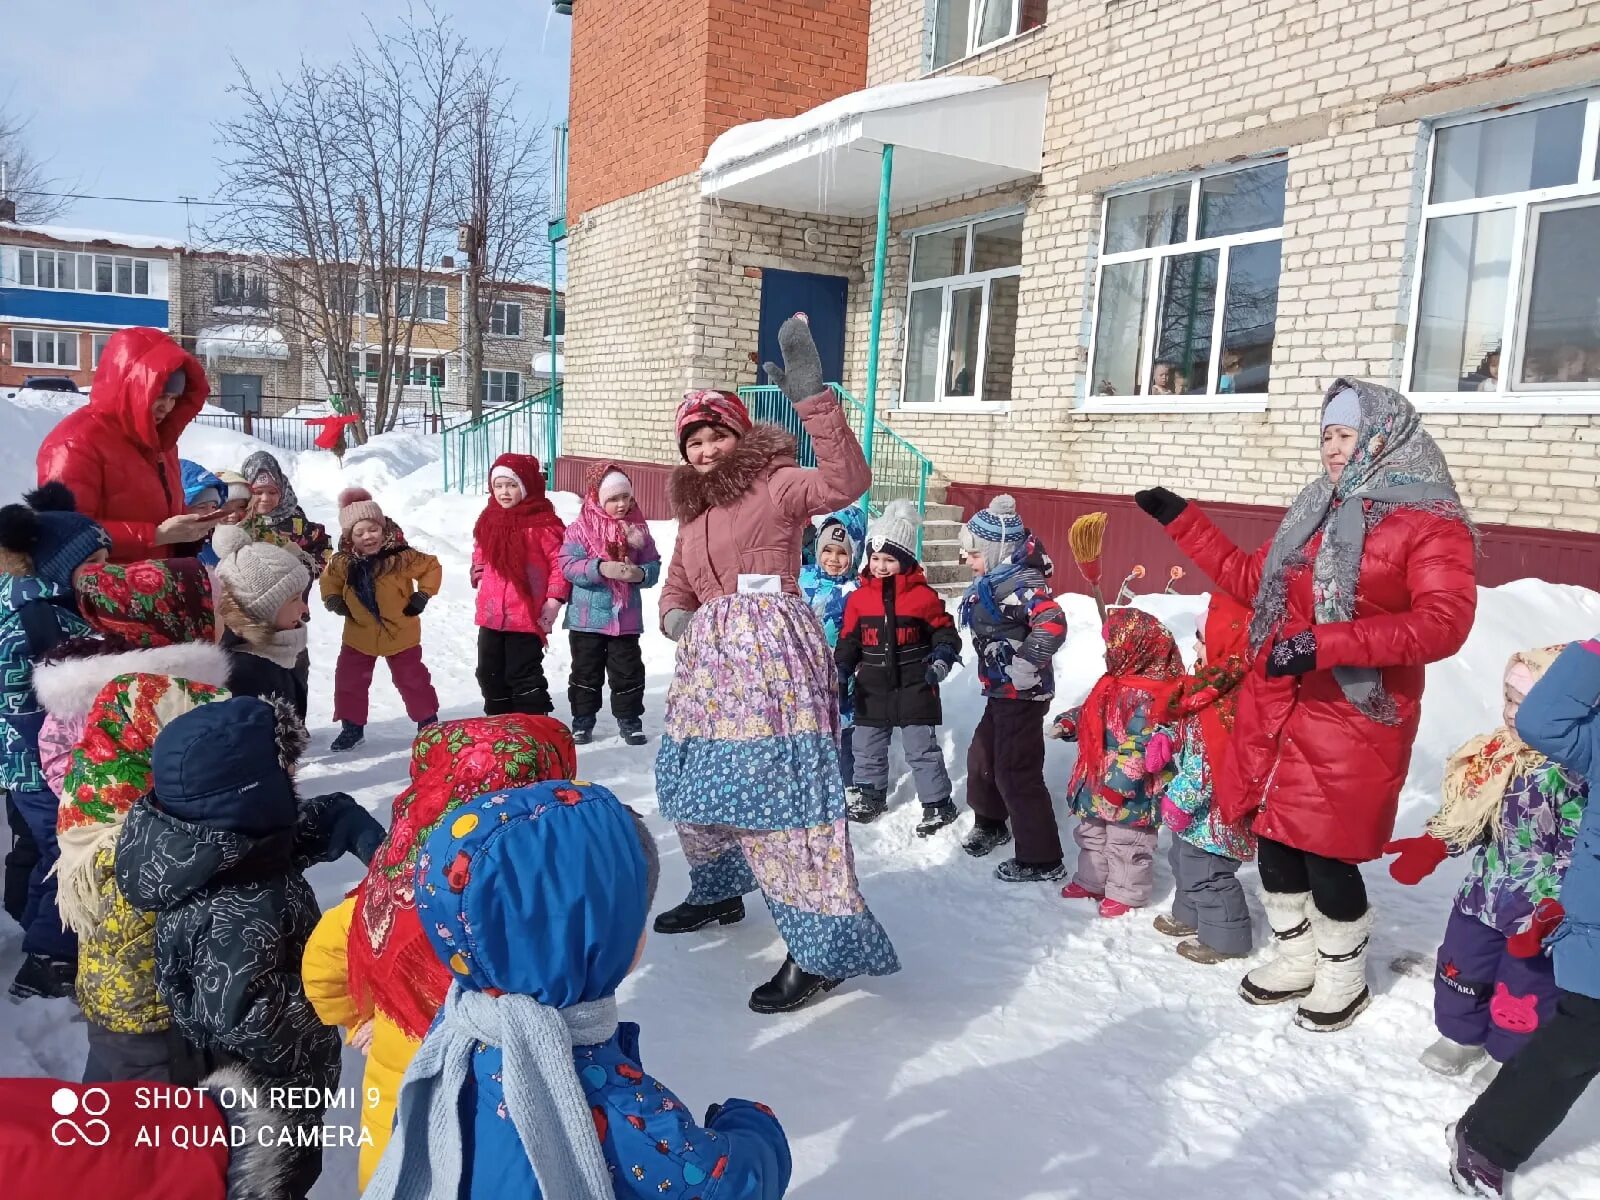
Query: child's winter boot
632, 730
44, 977
1292, 970
350, 736
935, 817
1168, 924
1340, 993
986, 837
1470, 1171
1197, 951
1446, 1057
1015, 871
582, 730
866, 803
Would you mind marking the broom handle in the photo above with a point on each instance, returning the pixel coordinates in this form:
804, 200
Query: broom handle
1099, 601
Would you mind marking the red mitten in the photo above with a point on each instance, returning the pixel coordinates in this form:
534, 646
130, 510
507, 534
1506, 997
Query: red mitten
1547, 914
1418, 858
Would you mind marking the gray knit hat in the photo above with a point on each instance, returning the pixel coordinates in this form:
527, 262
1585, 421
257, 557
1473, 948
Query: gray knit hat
260, 577
995, 532
895, 532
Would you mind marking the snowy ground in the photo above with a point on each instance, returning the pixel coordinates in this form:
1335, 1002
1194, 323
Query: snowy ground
1029, 1048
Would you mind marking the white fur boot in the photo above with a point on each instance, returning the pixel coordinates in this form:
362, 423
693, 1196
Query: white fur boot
1292, 970
1341, 991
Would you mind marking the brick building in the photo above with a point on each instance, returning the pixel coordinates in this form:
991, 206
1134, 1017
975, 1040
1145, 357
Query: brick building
1227, 205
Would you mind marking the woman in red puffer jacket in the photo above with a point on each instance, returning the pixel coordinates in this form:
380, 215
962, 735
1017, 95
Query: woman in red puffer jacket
1369, 578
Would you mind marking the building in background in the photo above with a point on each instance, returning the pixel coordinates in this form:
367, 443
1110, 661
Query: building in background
1131, 242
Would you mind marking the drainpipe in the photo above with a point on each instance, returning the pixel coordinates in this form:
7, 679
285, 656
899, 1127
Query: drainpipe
880, 256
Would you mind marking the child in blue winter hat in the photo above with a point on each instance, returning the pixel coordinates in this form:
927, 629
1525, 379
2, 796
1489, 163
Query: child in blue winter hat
826, 583
526, 1085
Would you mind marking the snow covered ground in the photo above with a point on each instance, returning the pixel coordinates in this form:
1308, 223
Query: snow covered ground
1029, 1048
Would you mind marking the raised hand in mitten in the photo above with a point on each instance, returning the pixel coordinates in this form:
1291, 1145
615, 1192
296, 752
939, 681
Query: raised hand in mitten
415, 605
1293, 656
675, 622
336, 605
1418, 857
800, 377
1161, 504
1547, 914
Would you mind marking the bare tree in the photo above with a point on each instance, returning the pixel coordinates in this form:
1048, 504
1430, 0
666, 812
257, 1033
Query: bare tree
27, 180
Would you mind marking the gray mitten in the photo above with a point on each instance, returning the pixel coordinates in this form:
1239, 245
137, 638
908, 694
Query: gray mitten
675, 622
801, 374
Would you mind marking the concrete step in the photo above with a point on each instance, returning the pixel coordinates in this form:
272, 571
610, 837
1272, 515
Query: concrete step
946, 572
942, 512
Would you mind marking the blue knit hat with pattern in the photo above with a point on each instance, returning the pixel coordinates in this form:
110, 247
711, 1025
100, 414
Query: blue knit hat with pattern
51, 531
994, 531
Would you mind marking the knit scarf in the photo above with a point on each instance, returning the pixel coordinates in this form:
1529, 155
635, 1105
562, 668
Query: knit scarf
1210, 696
1143, 671
1396, 465
605, 537
543, 1097
281, 646
392, 967
261, 463
1028, 559
1477, 775
501, 533
365, 570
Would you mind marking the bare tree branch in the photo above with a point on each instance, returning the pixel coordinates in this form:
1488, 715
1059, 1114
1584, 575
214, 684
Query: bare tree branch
27, 177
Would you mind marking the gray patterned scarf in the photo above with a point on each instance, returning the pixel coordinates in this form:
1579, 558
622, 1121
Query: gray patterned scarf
1396, 465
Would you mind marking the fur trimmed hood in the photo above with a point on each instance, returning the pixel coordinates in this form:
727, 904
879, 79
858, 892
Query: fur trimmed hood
67, 686
763, 450
258, 1168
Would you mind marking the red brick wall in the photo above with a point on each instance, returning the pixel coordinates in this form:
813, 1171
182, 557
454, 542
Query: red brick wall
655, 81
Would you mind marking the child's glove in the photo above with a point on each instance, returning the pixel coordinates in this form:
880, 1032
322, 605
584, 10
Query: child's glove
337, 606
548, 614
1064, 728
675, 622
1158, 752
625, 571
1547, 914
1293, 656
354, 831
637, 535
936, 672
1418, 857
1173, 817
415, 605
476, 574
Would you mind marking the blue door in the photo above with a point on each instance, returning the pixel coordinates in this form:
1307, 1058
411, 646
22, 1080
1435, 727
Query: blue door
822, 298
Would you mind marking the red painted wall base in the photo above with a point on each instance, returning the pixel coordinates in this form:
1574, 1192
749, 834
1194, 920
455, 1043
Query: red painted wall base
650, 483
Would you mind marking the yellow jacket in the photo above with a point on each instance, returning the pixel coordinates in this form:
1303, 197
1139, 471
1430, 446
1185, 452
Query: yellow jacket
326, 982
395, 632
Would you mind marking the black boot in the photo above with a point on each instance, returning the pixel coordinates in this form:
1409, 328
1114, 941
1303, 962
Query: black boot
46, 978
1014, 871
986, 837
686, 918
935, 817
349, 737
632, 731
582, 730
790, 988
866, 803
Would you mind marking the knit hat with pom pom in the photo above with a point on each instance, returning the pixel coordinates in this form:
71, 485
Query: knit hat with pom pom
355, 505
994, 532
895, 532
50, 534
260, 577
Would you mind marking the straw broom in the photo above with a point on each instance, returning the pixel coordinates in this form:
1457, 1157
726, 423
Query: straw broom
1087, 539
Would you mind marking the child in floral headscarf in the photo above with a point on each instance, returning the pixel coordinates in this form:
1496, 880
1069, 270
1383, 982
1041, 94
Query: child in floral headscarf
368, 965
1124, 763
1518, 813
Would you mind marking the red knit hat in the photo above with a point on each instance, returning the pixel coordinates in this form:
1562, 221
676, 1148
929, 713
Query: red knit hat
710, 407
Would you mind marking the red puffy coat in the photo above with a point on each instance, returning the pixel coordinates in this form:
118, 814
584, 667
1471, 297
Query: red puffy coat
121, 466
1318, 774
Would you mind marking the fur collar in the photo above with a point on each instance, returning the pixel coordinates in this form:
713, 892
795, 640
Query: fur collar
258, 1168
67, 688
760, 452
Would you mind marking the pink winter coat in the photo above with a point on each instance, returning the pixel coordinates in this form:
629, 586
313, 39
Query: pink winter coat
747, 516
500, 605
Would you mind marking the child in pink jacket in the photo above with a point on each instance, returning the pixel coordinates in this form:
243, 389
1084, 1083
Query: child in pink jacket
515, 567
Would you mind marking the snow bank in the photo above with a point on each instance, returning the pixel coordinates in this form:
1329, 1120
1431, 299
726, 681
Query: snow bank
240, 341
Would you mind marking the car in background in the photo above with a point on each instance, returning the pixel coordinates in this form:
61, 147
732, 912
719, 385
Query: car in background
50, 383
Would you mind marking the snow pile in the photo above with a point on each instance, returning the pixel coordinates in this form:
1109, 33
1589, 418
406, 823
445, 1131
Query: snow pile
1029, 1049
88, 237
240, 341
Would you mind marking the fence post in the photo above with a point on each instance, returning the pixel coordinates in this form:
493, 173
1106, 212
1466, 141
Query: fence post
248, 428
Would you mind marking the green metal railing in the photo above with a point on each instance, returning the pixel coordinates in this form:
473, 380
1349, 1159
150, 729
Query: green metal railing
899, 470
530, 426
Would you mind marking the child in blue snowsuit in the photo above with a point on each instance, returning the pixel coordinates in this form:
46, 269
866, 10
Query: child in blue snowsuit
1560, 718
527, 1085
826, 583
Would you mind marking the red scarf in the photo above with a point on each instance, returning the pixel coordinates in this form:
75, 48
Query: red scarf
501, 533
603, 536
1211, 694
391, 965
1143, 668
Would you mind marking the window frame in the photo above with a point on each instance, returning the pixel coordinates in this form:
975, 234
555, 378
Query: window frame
971, 51
85, 267
499, 311
239, 274
949, 285
1529, 399
1210, 402
504, 374
58, 338
97, 347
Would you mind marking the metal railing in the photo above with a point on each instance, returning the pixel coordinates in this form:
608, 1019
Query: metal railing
529, 426
899, 470
297, 433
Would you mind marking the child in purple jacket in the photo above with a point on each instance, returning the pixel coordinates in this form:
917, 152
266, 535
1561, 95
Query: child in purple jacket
608, 557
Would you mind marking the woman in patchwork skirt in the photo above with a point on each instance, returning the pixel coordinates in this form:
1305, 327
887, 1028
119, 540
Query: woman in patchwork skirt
749, 764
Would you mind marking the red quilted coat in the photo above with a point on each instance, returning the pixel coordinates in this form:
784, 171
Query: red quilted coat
1318, 774
121, 466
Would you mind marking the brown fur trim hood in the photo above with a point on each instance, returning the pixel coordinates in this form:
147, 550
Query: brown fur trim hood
763, 450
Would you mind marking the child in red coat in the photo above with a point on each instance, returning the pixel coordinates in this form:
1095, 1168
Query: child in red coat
515, 567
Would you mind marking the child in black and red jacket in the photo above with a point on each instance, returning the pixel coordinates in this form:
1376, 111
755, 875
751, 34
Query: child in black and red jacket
898, 643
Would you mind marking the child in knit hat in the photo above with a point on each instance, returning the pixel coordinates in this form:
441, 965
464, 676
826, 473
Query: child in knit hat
827, 578
45, 544
261, 590
1017, 627
526, 1085
898, 644
609, 558
380, 586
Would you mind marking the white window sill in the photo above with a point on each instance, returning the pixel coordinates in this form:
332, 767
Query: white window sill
1176, 406
954, 408
1540, 404
956, 67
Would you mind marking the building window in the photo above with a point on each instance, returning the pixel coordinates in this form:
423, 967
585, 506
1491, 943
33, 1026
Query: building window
961, 314
431, 307
238, 287
420, 370
60, 271
1186, 290
44, 348
1507, 295
961, 28
505, 319
99, 343
501, 387
561, 322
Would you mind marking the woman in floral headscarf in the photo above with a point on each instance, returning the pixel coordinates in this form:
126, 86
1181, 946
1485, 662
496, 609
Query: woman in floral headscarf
369, 965
1369, 578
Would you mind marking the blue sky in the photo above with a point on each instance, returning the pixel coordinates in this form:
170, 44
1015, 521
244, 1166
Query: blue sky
121, 94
